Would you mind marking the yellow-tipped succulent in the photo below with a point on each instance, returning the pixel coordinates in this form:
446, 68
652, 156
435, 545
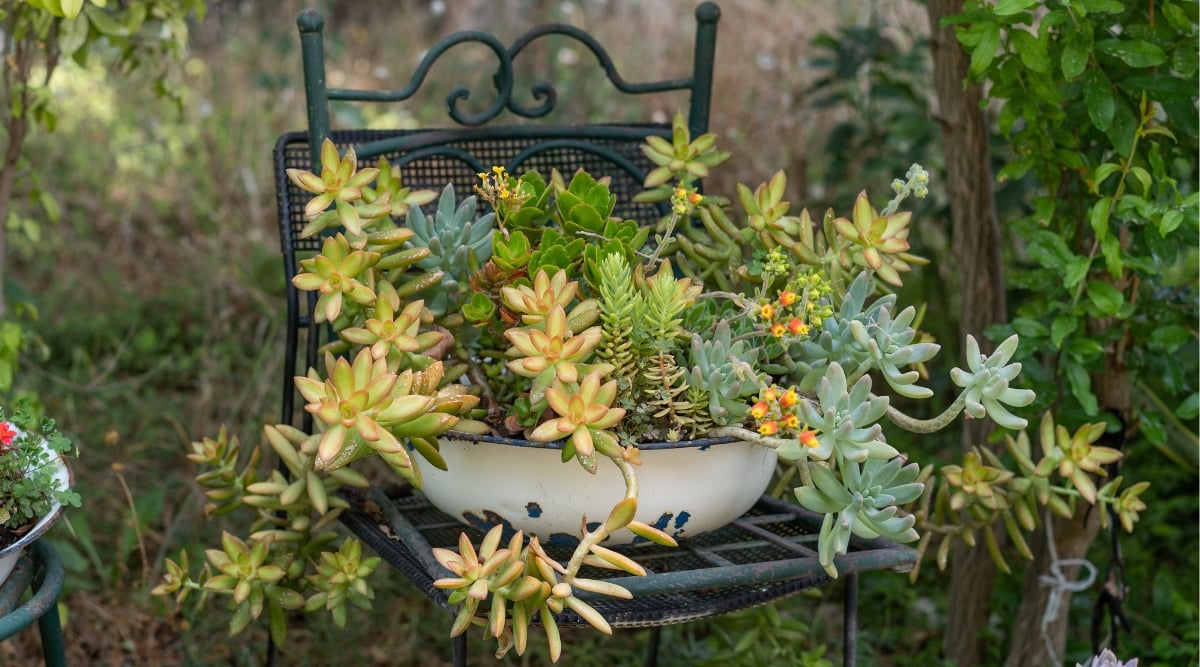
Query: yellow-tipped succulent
880, 241
585, 415
553, 353
335, 273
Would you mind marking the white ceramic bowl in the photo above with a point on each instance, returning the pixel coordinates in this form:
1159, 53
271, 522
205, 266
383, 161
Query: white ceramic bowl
684, 488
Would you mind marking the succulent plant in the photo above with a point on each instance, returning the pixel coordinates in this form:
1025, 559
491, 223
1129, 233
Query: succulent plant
682, 158
340, 184
584, 415
986, 387
845, 420
1107, 658
719, 366
458, 243
889, 344
864, 502
389, 188
880, 242
335, 274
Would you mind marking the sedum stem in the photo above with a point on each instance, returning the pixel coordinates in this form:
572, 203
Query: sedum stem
914, 425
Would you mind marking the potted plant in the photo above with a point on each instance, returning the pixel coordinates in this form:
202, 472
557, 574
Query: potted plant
549, 329
35, 481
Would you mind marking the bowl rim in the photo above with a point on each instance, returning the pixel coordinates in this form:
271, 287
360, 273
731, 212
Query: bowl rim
701, 443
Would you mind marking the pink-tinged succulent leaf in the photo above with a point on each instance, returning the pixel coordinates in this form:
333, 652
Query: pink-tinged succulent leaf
558, 399
611, 418
582, 439
331, 444
548, 432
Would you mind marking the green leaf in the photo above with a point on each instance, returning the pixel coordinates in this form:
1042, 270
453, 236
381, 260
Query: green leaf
1101, 6
1110, 247
1189, 408
985, 51
1098, 96
1031, 51
1106, 297
1081, 387
1124, 125
1074, 56
1168, 338
1170, 221
1160, 87
1132, 52
1098, 217
1143, 178
1010, 7
1029, 328
1102, 173
1060, 328
1151, 423
1076, 270
71, 8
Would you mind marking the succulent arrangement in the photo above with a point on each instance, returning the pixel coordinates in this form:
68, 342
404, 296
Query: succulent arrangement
551, 319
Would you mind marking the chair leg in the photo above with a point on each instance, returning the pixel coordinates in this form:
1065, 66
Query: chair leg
53, 650
850, 627
460, 650
652, 646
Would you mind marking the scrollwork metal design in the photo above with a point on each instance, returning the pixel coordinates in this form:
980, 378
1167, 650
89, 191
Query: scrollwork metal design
503, 80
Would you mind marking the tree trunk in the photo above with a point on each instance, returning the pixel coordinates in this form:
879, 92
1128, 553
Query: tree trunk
975, 237
1072, 538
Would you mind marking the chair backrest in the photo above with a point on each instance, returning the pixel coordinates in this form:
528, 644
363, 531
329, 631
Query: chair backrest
431, 158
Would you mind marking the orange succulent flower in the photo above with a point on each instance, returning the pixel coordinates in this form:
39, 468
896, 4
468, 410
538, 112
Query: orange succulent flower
797, 326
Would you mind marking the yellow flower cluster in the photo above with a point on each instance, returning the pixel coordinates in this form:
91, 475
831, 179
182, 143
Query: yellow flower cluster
497, 189
683, 200
775, 414
796, 311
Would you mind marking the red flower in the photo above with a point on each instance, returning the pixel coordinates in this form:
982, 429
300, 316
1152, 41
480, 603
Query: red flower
6, 433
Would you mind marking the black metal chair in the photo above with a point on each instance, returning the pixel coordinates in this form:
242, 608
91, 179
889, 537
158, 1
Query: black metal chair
769, 553
431, 158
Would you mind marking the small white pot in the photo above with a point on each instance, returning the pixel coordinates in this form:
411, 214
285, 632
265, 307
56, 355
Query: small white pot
11, 554
684, 488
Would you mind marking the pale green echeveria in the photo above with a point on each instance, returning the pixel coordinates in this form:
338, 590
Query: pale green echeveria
718, 366
458, 242
845, 420
864, 502
986, 384
889, 343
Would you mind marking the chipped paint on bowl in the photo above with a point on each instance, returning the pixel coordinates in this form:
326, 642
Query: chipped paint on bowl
685, 488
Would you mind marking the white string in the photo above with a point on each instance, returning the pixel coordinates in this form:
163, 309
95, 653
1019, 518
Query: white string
1059, 585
